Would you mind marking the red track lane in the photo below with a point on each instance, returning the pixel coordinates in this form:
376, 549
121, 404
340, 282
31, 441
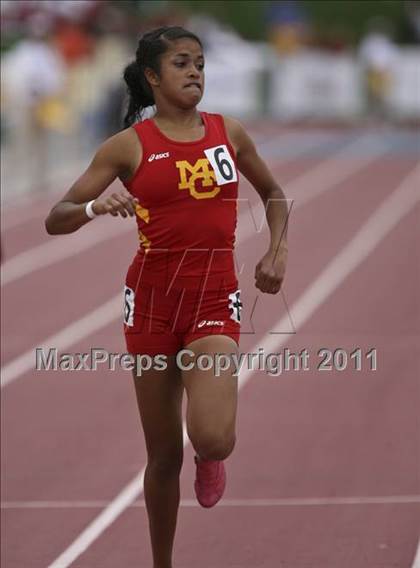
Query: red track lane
63, 292
287, 537
27, 228
340, 434
77, 436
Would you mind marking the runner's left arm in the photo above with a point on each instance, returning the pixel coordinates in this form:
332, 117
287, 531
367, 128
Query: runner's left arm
270, 271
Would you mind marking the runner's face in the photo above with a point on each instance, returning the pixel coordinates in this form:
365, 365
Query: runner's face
182, 73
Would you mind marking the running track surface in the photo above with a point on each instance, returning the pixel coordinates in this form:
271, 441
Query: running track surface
326, 470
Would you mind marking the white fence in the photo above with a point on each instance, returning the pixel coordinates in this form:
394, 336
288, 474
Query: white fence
404, 98
311, 84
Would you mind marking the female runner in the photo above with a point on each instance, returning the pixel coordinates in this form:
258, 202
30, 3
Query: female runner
179, 169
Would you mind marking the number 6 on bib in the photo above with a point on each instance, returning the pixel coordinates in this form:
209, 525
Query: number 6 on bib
222, 164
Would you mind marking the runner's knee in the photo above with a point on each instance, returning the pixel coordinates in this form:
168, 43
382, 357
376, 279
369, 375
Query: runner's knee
165, 466
214, 446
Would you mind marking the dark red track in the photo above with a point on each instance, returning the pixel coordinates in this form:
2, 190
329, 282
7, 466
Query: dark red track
74, 438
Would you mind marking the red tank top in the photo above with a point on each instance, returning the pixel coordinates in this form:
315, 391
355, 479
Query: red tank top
188, 205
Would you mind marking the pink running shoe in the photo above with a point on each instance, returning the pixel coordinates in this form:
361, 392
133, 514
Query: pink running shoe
210, 481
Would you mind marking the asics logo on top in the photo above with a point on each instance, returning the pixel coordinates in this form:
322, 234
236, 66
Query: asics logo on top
210, 322
158, 156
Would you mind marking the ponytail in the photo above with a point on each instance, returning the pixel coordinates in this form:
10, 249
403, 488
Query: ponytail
150, 48
139, 91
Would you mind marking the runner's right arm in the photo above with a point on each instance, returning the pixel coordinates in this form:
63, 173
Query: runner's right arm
116, 157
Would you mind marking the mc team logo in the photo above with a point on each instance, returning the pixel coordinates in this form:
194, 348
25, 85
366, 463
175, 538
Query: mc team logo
222, 171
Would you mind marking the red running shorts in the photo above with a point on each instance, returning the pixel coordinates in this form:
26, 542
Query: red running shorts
161, 321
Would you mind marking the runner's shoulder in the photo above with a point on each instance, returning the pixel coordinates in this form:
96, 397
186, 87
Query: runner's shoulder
236, 133
123, 149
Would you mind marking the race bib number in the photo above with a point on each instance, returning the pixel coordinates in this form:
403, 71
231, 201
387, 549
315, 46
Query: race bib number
222, 163
235, 305
128, 306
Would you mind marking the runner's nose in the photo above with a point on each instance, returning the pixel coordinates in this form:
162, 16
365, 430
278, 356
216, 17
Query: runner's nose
193, 73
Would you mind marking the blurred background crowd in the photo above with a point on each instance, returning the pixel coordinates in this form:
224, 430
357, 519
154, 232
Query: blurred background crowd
293, 61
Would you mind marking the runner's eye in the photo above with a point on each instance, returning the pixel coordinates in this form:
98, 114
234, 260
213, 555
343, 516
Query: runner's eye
200, 66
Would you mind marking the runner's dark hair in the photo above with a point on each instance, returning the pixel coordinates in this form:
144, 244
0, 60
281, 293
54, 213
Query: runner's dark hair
150, 48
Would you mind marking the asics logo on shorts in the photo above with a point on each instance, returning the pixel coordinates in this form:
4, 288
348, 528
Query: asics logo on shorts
210, 322
235, 305
157, 156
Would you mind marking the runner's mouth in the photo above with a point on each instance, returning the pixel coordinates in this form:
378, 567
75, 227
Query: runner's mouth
193, 85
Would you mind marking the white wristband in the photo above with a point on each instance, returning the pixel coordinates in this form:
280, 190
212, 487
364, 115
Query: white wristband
89, 211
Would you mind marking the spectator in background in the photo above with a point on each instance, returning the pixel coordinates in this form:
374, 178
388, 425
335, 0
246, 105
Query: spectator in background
378, 55
287, 25
73, 42
33, 79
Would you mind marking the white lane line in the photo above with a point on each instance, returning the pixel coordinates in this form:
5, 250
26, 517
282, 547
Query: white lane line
323, 177
21, 207
107, 516
268, 502
60, 249
316, 181
379, 224
76, 331
416, 563
293, 145
335, 170
246, 229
